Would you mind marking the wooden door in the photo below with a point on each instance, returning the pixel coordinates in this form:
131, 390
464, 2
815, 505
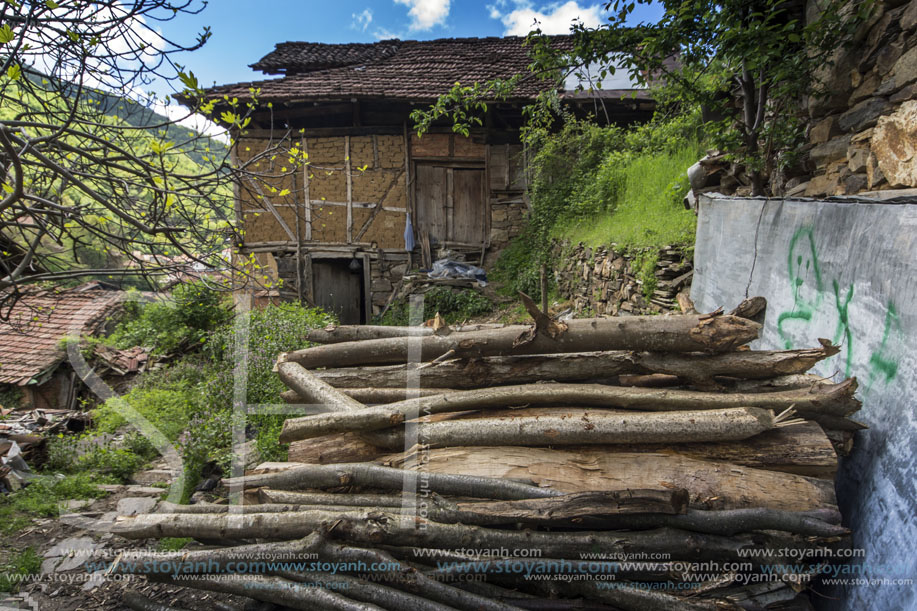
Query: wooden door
467, 206
430, 201
337, 289
450, 203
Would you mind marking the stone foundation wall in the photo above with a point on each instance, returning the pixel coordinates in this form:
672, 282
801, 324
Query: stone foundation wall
863, 135
607, 281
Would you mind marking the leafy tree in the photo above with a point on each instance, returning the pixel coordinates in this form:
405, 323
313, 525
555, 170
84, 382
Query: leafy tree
751, 62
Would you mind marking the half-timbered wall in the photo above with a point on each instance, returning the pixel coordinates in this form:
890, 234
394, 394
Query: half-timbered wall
348, 197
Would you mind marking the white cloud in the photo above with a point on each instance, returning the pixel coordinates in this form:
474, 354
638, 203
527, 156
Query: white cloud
426, 13
362, 19
552, 19
385, 34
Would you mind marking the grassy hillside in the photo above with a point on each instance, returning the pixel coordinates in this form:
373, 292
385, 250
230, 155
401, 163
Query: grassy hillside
604, 185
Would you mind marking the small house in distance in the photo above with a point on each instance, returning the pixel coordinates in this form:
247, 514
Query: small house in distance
342, 231
32, 356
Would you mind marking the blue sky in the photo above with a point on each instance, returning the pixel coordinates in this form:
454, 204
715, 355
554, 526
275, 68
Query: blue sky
245, 30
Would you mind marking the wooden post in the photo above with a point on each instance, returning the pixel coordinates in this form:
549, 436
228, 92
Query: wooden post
347, 167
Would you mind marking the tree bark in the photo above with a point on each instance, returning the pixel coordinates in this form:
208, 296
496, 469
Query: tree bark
373, 396
655, 333
313, 390
579, 367
382, 527
332, 449
387, 478
138, 602
268, 495
274, 590
710, 485
357, 333
836, 399
591, 427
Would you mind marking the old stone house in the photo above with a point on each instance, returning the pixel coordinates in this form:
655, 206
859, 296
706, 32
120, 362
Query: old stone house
341, 228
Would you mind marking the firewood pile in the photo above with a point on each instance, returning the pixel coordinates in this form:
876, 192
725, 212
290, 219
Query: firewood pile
607, 463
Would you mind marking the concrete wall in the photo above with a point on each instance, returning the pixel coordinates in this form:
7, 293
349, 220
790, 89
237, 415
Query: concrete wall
846, 272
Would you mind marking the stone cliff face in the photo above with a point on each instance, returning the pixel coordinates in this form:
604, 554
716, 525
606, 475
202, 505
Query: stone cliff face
863, 134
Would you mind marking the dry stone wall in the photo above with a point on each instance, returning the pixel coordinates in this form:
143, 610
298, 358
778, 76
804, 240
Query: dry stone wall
607, 280
863, 134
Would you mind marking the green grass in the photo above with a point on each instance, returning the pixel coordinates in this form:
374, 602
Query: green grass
24, 563
41, 499
649, 210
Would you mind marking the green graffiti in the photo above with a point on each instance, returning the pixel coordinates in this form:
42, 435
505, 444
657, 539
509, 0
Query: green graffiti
843, 331
881, 363
806, 285
800, 262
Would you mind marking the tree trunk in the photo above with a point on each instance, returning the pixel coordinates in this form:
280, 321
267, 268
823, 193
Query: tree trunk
274, 590
386, 478
330, 449
803, 449
357, 333
314, 391
655, 333
711, 485
836, 399
578, 367
591, 427
373, 396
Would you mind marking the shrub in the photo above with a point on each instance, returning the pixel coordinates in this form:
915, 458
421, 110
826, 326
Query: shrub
166, 325
453, 305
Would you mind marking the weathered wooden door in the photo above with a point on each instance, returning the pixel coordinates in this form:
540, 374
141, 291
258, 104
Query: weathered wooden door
337, 289
450, 203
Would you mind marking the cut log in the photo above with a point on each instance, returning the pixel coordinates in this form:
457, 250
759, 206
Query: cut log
138, 602
267, 495
355, 333
711, 485
654, 333
830, 399
382, 527
386, 478
373, 396
579, 367
330, 449
591, 427
804, 449
314, 391
752, 308
274, 590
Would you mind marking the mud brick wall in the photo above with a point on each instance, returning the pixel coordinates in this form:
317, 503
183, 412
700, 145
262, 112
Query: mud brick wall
606, 280
863, 135
368, 172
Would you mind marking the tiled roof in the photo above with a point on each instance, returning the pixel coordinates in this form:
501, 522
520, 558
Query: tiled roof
408, 70
30, 341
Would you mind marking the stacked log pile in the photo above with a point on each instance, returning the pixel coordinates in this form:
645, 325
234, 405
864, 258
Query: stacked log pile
626, 463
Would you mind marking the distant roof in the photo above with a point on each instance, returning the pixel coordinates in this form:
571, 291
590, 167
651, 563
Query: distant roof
30, 342
407, 70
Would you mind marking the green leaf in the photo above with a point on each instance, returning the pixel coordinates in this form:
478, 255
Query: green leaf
6, 34
14, 72
51, 4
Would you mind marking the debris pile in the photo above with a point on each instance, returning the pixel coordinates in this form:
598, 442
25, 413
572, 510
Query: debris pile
607, 463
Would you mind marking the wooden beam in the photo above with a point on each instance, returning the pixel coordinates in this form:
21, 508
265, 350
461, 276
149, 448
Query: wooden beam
347, 169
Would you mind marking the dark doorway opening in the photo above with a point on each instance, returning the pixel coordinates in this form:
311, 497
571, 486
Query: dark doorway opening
338, 286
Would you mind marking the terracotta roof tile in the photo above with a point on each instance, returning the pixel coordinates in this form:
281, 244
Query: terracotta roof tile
30, 341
